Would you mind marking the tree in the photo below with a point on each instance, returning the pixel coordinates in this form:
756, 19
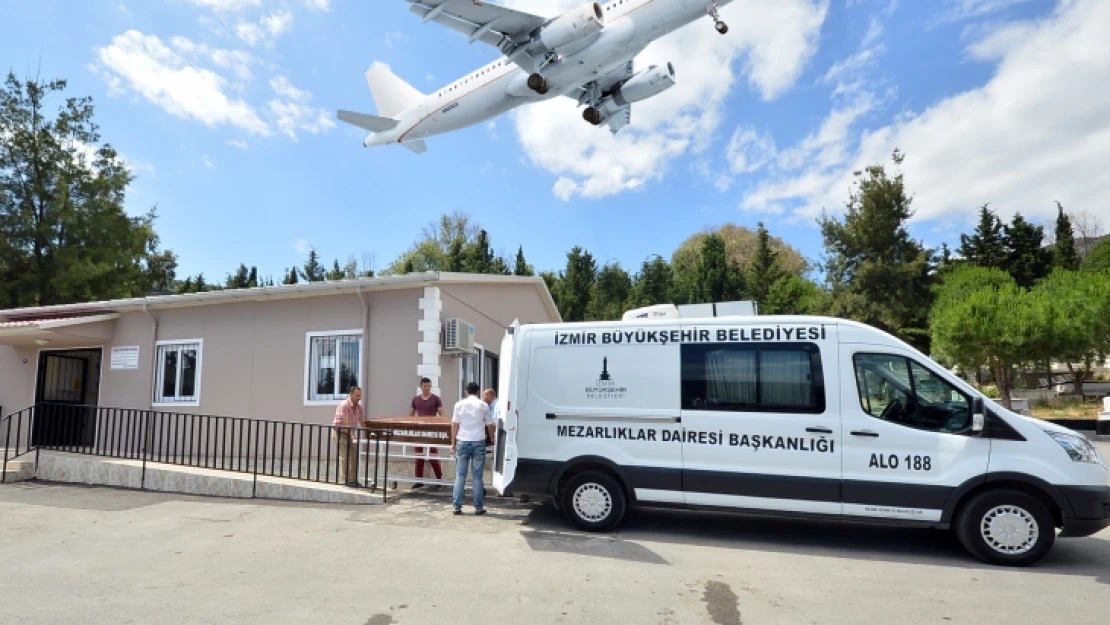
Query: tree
313, 270
240, 279
64, 234
1088, 230
653, 285
575, 285
1098, 259
433, 251
522, 268
719, 279
478, 257
793, 295
337, 273
1078, 305
877, 274
609, 294
292, 277
1064, 255
764, 270
983, 318
187, 286
1026, 259
986, 247
741, 248
252, 278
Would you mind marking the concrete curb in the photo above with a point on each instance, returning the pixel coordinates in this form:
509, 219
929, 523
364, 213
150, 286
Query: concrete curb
78, 469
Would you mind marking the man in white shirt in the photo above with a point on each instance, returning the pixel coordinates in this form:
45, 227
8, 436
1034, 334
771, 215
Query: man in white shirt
469, 425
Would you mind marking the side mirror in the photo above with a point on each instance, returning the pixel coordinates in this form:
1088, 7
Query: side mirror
978, 419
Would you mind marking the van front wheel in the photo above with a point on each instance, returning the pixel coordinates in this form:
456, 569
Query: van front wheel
1006, 527
593, 501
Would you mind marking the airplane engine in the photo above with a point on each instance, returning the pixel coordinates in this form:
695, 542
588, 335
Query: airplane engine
572, 26
645, 84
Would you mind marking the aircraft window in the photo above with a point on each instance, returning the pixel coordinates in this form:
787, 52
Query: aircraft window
903, 392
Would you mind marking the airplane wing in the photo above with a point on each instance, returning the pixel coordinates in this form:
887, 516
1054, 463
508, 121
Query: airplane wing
620, 119
590, 93
480, 21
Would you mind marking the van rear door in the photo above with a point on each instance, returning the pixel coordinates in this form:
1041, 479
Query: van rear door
505, 447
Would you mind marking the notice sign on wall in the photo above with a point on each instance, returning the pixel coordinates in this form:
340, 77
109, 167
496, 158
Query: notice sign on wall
125, 357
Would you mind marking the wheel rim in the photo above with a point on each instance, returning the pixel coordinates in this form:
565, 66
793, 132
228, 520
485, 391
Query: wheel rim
1010, 530
592, 503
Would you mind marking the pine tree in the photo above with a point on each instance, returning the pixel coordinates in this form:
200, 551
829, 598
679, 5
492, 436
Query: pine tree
609, 294
522, 266
187, 286
1026, 260
1064, 254
719, 279
653, 285
763, 270
200, 285
240, 279
456, 258
292, 277
336, 274
313, 271
986, 247
576, 284
478, 257
252, 279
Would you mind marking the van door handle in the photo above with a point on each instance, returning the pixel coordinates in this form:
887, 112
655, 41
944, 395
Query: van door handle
867, 433
819, 430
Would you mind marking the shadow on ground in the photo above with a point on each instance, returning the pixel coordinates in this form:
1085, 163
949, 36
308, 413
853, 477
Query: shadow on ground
1082, 557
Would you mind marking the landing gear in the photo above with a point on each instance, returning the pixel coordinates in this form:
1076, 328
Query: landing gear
714, 12
537, 83
592, 115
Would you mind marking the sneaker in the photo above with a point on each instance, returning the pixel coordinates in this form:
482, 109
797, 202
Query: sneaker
418, 485
457, 511
479, 511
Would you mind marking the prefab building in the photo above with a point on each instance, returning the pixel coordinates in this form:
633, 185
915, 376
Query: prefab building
285, 353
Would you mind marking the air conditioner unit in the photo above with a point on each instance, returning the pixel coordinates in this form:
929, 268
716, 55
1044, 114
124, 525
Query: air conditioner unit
458, 337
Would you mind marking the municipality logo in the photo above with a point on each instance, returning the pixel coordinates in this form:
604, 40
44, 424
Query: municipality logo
605, 387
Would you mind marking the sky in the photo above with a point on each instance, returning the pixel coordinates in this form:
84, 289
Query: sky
225, 111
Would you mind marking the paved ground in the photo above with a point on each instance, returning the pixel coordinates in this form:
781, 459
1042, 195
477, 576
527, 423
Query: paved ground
95, 555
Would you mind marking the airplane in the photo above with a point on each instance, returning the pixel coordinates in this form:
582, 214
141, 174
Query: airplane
586, 54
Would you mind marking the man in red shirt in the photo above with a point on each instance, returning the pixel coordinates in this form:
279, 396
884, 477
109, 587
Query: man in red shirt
426, 404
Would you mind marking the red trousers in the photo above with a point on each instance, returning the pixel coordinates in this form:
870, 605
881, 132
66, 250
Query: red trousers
436, 468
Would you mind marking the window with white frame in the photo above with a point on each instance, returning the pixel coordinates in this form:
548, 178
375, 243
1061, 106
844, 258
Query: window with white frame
333, 366
177, 372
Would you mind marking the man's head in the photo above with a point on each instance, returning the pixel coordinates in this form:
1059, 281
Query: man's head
355, 395
425, 386
472, 388
489, 395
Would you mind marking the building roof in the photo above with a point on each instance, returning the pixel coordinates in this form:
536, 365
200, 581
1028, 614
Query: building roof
36, 315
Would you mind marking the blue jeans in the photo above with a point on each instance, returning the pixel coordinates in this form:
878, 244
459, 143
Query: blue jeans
472, 454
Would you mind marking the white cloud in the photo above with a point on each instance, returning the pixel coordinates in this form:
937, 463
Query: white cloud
236, 143
301, 246
749, 151
319, 5
1034, 133
154, 71
267, 29
226, 5
294, 113
390, 38
772, 40
238, 61
207, 162
960, 10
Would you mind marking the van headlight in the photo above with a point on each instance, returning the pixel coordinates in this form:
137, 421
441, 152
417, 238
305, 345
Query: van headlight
1078, 447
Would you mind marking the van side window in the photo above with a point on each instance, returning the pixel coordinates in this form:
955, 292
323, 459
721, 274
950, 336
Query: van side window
753, 378
903, 391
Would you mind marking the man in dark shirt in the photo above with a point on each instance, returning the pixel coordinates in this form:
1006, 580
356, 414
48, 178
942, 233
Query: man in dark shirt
426, 404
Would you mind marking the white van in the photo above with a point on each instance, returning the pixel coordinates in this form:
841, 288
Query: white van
808, 416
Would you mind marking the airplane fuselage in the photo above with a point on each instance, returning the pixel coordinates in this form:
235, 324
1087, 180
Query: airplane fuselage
631, 25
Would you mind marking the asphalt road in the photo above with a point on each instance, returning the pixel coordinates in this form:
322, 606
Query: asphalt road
95, 555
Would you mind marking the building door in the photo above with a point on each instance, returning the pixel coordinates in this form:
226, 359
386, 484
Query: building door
65, 397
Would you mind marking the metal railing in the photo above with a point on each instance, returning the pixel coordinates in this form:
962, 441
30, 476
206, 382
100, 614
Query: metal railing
281, 449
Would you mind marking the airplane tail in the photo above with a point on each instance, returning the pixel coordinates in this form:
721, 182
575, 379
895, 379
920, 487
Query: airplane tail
391, 94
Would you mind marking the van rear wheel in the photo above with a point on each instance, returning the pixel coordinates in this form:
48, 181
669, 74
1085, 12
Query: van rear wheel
593, 501
1006, 527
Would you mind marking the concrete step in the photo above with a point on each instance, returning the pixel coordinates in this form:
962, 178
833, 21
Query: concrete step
19, 471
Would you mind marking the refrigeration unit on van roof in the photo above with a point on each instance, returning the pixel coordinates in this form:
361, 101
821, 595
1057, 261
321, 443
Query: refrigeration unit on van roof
694, 311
